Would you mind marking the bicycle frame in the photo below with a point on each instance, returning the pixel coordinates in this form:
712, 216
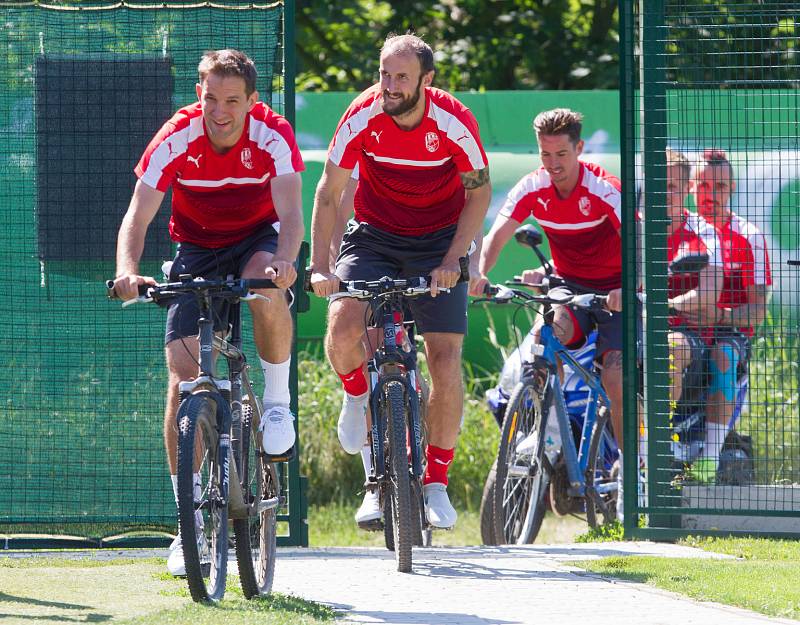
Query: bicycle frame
391, 363
551, 348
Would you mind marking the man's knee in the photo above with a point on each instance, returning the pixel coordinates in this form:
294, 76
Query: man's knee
345, 322
566, 327
611, 374
443, 351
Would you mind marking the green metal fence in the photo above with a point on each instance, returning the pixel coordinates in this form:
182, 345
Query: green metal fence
709, 108
83, 88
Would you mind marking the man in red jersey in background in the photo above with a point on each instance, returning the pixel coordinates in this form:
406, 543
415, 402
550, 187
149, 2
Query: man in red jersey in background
234, 168
422, 195
578, 206
742, 304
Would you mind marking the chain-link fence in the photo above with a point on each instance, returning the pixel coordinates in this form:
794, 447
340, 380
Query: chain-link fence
711, 146
84, 87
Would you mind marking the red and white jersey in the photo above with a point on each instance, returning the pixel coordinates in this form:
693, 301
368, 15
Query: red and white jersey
694, 235
219, 199
409, 182
746, 262
583, 229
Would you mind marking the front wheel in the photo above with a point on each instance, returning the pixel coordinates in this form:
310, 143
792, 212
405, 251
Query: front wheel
601, 484
256, 534
487, 507
202, 511
521, 478
398, 489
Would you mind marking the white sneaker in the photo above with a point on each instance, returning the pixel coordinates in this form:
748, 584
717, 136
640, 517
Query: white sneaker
528, 445
277, 430
438, 509
352, 426
175, 563
369, 514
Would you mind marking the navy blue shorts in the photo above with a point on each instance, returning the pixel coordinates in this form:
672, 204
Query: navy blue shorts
368, 253
211, 263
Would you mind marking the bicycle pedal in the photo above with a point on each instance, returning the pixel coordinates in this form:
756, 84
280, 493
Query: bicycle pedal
373, 525
284, 457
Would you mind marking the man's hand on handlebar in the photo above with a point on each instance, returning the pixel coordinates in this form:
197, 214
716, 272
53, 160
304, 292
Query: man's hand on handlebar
324, 283
533, 277
126, 287
281, 272
614, 301
477, 285
445, 276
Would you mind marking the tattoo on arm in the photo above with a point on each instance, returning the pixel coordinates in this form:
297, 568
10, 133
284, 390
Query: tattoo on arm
475, 178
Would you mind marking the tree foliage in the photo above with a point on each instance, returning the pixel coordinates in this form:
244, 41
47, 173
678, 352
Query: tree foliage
479, 44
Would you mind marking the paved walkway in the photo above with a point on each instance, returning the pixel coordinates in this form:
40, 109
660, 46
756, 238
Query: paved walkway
493, 586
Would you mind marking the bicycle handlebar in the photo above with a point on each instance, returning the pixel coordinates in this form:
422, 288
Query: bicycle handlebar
365, 289
230, 288
502, 294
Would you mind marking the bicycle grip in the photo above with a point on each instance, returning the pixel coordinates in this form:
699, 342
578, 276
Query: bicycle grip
112, 294
463, 264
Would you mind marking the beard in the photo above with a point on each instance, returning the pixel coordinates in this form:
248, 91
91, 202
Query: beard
404, 106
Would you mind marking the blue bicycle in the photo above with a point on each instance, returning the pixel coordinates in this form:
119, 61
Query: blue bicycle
582, 475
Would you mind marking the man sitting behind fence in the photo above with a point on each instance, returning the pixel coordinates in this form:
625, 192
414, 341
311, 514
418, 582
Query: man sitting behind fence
693, 296
742, 304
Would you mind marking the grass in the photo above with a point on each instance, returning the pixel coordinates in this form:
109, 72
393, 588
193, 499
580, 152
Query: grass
333, 526
133, 592
763, 577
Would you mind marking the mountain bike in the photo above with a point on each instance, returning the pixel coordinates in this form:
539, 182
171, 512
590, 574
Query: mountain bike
581, 477
396, 405
218, 420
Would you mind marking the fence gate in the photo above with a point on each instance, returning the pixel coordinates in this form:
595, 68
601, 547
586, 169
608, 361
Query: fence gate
84, 87
710, 116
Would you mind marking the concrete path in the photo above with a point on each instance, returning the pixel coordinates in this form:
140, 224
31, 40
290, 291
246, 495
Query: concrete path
531, 585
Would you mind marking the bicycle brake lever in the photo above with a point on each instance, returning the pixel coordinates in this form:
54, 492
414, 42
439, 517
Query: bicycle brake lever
251, 296
142, 299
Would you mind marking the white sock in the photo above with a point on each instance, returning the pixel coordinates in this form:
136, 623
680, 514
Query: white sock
358, 398
366, 460
715, 439
276, 383
174, 479
197, 486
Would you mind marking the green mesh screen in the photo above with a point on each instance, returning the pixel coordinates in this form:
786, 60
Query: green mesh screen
83, 89
721, 76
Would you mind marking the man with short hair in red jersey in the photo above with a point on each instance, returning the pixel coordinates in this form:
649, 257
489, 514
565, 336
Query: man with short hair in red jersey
742, 305
578, 205
234, 168
422, 195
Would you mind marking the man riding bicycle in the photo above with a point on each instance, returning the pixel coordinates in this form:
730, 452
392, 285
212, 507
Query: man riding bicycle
742, 303
234, 168
578, 206
422, 195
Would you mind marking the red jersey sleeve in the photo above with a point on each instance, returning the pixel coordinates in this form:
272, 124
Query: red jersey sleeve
520, 201
345, 147
463, 138
276, 137
164, 156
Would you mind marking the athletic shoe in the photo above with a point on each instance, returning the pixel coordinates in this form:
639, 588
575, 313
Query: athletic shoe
369, 514
277, 428
175, 563
352, 426
438, 509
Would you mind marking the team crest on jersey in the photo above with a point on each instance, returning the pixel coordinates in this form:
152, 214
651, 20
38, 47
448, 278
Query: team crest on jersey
432, 141
247, 158
585, 206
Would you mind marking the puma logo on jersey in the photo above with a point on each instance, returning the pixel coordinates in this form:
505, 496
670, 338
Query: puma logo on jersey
377, 135
195, 160
543, 202
464, 136
169, 146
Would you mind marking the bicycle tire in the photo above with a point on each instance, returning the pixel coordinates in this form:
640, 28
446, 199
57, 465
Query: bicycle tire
487, 507
600, 504
399, 484
198, 413
256, 535
521, 481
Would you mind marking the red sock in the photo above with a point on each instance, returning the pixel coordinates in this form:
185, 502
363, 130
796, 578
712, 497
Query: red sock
355, 382
438, 463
